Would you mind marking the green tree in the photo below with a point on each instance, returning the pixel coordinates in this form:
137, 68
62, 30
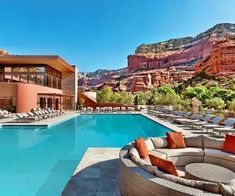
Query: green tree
216, 103
231, 106
163, 90
223, 94
168, 99
127, 98
105, 95
189, 92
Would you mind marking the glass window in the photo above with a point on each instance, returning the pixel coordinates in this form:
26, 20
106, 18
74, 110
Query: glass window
54, 82
7, 69
15, 78
1, 77
19, 69
49, 80
40, 79
32, 79
7, 78
24, 78
59, 83
1, 69
49, 102
42, 102
37, 69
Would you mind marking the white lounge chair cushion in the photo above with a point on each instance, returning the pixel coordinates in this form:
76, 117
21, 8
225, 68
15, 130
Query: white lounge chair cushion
210, 126
215, 143
156, 153
194, 141
181, 152
159, 142
149, 144
219, 154
206, 186
133, 152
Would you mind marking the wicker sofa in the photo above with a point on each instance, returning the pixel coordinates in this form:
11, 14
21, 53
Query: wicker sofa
139, 177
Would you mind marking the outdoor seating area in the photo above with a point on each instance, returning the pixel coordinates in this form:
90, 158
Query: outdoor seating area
5, 114
36, 114
207, 123
178, 165
107, 109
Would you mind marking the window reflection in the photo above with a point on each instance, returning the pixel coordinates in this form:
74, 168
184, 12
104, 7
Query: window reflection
19, 69
32, 79
40, 79
7, 69
1, 77
24, 78
37, 69
54, 82
40, 75
7, 78
16, 78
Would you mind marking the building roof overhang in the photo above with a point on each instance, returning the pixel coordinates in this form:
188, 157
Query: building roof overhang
52, 60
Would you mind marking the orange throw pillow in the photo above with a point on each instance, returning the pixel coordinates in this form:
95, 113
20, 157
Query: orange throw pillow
229, 144
175, 140
141, 147
164, 165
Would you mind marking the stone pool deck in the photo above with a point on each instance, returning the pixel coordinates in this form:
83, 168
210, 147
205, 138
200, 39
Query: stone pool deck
96, 174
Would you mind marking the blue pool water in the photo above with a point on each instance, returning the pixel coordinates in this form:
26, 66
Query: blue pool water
39, 161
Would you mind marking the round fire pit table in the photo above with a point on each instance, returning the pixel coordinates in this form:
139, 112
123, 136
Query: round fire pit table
209, 172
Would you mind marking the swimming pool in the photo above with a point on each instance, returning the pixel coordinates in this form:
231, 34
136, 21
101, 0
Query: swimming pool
40, 161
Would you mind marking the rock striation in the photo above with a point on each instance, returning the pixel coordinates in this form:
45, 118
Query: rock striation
182, 53
221, 60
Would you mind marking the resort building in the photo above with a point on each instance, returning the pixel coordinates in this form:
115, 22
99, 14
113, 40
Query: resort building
28, 82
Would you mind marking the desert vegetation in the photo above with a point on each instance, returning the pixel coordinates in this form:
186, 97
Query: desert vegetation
214, 97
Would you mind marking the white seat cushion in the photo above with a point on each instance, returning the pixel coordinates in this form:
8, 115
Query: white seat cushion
156, 153
219, 154
194, 141
159, 142
181, 152
210, 142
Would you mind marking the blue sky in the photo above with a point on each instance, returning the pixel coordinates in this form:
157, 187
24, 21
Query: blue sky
94, 34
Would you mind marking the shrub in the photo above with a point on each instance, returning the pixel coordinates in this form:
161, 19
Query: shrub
168, 99
231, 106
216, 103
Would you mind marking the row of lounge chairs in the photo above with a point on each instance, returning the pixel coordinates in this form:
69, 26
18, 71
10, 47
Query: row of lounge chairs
107, 109
5, 114
37, 114
207, 123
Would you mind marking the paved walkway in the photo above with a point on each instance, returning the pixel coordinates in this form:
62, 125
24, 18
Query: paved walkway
97, 174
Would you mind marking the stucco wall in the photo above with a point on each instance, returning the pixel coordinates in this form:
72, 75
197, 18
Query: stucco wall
27, 96
8, 90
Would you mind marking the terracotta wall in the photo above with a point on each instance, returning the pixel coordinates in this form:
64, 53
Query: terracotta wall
8, 90
27, 96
